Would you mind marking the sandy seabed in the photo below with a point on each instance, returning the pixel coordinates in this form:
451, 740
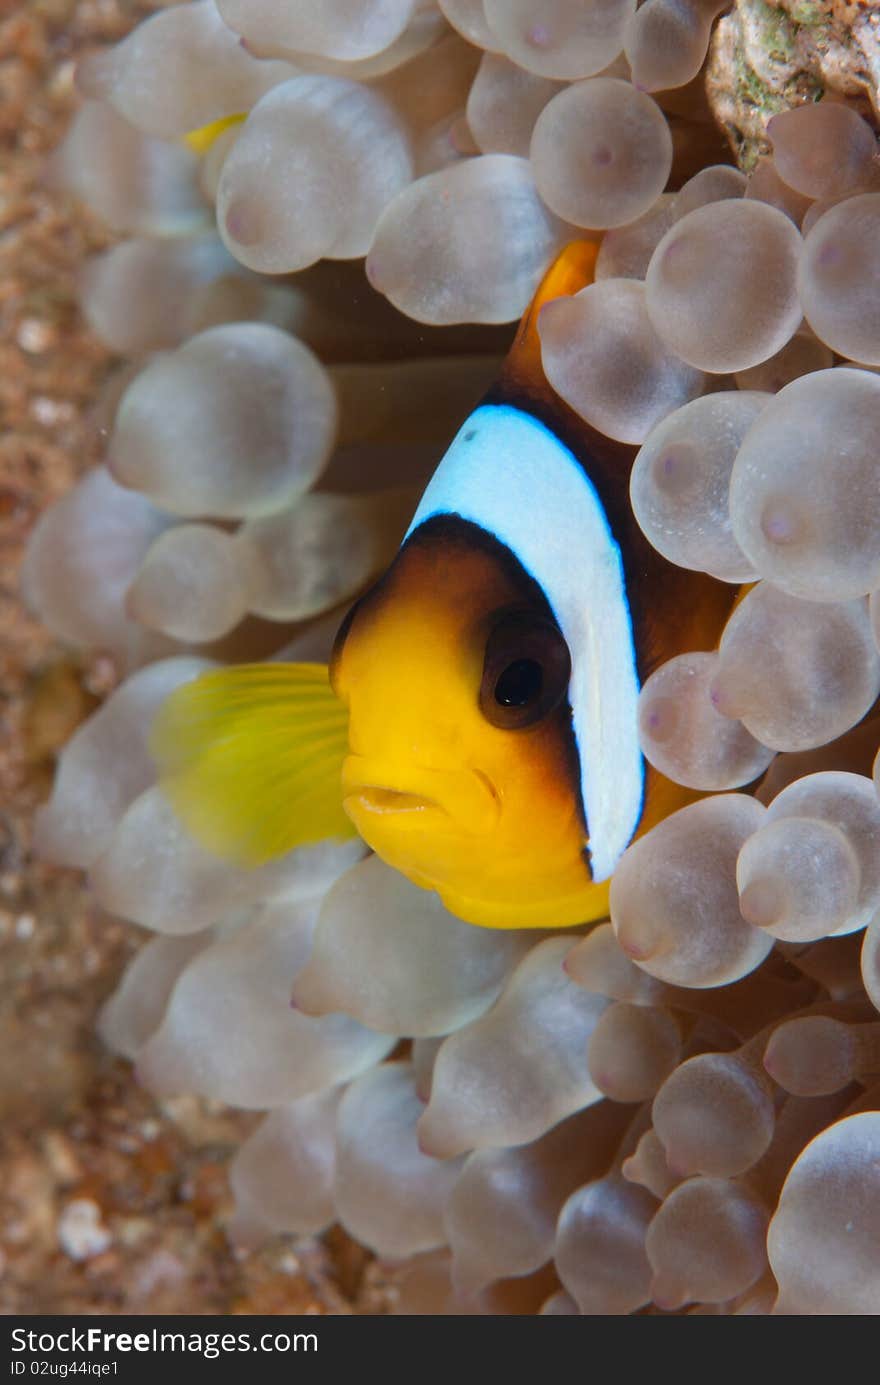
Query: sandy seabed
108, 1204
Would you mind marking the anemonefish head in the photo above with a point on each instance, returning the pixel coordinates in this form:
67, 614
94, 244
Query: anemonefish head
491, 687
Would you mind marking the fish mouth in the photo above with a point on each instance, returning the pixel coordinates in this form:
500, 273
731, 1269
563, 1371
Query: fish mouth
374, 799
420, 797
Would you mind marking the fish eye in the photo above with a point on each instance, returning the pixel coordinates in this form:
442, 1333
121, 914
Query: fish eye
526, 669
520, 683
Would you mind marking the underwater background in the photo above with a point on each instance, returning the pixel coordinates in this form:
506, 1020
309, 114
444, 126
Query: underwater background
108, 1204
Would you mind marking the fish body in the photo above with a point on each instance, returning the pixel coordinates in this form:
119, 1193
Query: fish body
488, 682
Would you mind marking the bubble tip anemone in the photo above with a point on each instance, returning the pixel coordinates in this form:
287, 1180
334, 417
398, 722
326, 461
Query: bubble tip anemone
434, 1141
306, 997
93, 76
155, 1073
666, 1296
636, 951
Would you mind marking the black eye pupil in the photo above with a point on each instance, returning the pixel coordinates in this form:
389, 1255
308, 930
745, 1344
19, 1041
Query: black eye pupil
520, 683
526, 669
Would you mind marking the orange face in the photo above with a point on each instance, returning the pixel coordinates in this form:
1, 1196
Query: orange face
462, 770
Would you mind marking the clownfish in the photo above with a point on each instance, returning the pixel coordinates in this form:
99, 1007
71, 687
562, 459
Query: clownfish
477, 725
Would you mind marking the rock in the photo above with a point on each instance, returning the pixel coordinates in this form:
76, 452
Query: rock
765, 58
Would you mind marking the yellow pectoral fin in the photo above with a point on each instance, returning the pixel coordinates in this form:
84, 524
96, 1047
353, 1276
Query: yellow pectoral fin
250, 758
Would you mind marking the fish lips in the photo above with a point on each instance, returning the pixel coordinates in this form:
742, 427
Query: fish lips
419, 798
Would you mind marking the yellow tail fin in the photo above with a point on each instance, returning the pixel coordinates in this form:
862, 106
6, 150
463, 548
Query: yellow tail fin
251, 758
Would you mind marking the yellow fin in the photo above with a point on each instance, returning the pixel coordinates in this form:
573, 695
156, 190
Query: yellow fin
251, 759
200, 140
572, 270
